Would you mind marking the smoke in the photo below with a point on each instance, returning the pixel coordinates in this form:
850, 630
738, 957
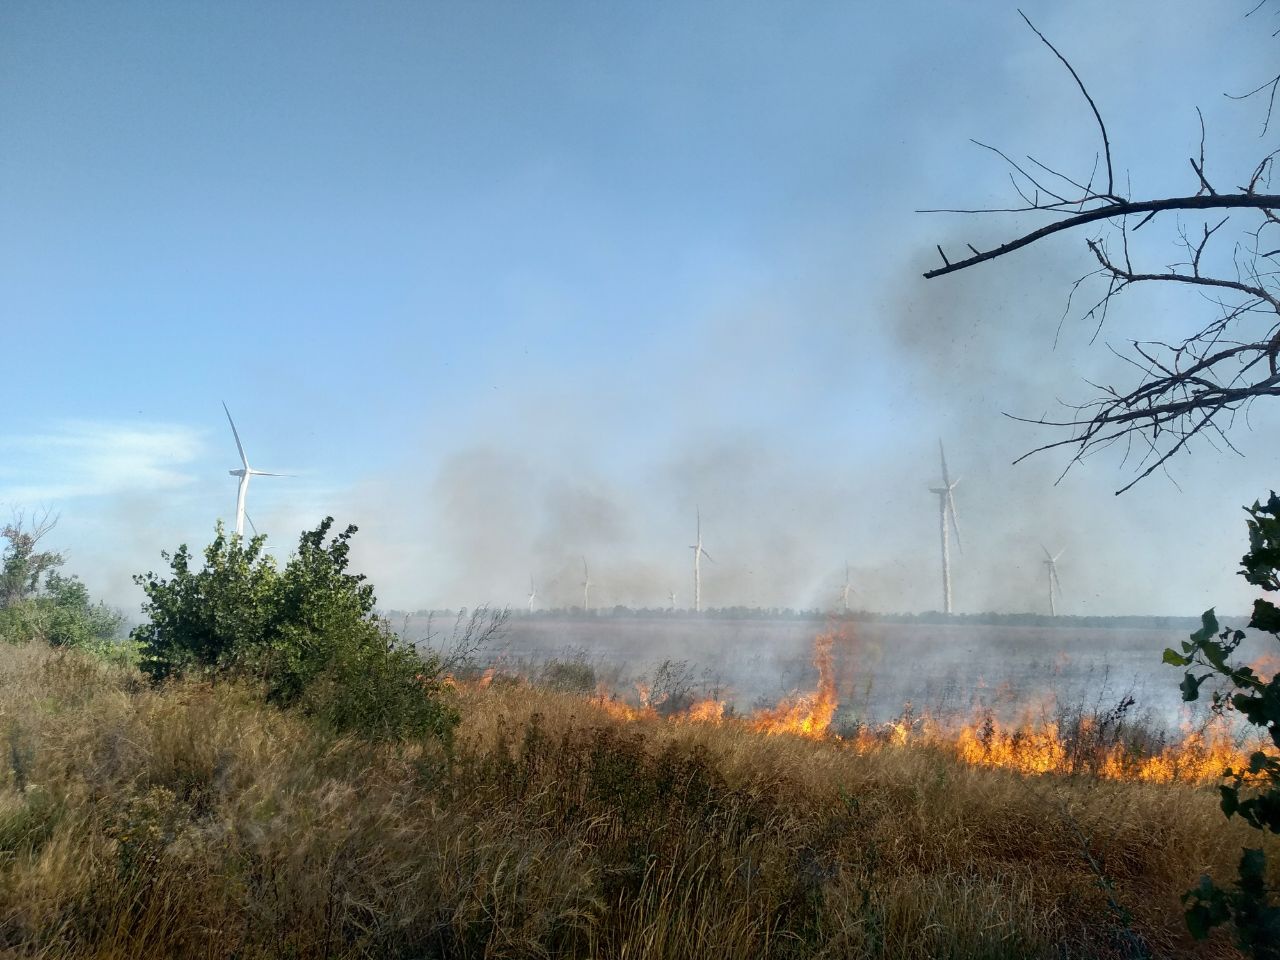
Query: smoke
548, 480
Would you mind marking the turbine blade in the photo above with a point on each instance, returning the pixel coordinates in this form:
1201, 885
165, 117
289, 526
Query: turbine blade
1054, 572
252, 526
943, 454
263, 473
1058, 554
1046, 552
955, 524
236, 433
707, 555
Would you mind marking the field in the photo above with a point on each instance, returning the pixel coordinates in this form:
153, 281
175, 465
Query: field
192, 821
946, 671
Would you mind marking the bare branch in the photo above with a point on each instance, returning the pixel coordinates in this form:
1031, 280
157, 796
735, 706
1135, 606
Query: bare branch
1188, 385
1106, 142
1109, 211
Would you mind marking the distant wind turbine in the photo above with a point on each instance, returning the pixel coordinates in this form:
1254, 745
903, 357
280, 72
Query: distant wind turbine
844, 591
244, 473
947, 510
1055, 585
671, 595
533, 594
698, 554
586, 587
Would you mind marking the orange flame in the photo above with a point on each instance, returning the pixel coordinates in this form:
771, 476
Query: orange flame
808, 715
1034, 745
705, 711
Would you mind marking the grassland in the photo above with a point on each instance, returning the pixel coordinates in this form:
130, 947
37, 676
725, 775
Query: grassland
192, 821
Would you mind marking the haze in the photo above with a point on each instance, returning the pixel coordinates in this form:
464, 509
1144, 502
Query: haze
507, 284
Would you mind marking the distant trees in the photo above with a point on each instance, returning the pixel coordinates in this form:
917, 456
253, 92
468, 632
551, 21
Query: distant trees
39, 603
1222, 250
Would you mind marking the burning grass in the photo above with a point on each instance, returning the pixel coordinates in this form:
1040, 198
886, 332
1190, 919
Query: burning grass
193, 821
1042, 739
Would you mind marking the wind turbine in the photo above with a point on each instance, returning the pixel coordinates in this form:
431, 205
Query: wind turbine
947, 508
1055, 585
586, 587
844, 591
698, 554
671, 595
244, 473
533, 594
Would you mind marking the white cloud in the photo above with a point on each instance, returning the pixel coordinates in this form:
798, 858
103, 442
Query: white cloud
83, 458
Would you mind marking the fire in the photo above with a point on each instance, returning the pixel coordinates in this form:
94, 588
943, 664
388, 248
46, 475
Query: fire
705, 711
620, 710
1199, 757
1036, 744
808, 715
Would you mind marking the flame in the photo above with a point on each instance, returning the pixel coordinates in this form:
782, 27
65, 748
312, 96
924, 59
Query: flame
808, 715
1040, 747
1035, 744
705, 711
620, 710
1268, 663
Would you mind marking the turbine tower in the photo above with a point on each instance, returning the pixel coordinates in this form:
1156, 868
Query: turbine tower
946, 509
586, 587
533, 594
1055, 585
671, 595
698, 554
844, 591
244, 473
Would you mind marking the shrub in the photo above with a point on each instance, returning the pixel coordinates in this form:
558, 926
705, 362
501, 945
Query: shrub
308, 633
37, 603
1252, 793
572, 674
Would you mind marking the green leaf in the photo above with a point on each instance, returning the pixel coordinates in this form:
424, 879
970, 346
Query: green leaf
1266, 616
1198, 921
1216, 654
1190, 686
1230, 800
1253, 865
1209, 626
1175, 659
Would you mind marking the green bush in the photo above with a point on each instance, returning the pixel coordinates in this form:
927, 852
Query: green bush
308, 633
37, 603
1252, 793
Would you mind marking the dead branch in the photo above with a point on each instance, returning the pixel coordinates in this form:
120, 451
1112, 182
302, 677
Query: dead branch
1195, 387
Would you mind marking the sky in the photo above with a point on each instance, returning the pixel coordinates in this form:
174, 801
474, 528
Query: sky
508, 285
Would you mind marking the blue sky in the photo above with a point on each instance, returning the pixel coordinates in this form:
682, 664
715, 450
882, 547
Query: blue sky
507, 283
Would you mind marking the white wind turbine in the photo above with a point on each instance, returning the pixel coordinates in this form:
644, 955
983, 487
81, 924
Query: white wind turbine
698, 554
844, 590
244, 473
947, 509
586, 587
671, 596
533, 594
1055, 585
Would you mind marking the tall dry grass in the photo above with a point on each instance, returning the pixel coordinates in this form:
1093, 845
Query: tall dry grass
191, 821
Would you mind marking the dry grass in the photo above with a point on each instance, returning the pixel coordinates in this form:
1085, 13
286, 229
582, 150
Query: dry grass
194, 822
